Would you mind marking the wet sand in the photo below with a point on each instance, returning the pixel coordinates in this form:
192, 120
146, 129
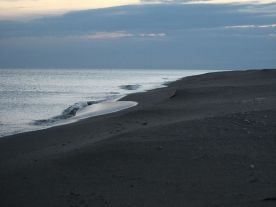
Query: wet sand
206, 140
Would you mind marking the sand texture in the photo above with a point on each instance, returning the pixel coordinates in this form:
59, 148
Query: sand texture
204, 141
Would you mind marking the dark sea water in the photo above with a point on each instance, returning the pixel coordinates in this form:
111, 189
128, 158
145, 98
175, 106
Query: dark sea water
36, 99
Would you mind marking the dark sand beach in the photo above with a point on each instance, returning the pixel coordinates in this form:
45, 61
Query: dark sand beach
207, 140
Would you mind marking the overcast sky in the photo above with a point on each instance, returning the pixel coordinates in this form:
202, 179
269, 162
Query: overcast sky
159, 35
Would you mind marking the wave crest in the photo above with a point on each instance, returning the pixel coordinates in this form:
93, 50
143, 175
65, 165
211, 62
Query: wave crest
69, 112
130, 87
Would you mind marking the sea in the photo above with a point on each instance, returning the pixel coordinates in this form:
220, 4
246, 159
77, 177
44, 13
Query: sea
34, 99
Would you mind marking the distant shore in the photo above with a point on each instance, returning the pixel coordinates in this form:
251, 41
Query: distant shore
205, 140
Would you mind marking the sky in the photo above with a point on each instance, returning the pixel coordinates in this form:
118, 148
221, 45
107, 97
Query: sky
12, 9
26, 9
130, 34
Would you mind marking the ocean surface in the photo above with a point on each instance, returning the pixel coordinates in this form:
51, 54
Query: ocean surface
37, 99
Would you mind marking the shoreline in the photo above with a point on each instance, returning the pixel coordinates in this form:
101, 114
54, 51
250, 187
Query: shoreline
97, 109
83, 116
79, 118
202, 140
70, 113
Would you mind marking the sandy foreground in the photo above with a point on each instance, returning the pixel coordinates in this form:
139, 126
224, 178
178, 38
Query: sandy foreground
207, 140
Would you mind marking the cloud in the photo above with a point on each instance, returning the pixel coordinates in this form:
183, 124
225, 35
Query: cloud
170, 1
120, 34
176, 1
116, 35
145, 36
250, 26
207, 1
153, 35
108, 35
97, 36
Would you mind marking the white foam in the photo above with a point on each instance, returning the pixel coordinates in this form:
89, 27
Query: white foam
37, 99
103, 108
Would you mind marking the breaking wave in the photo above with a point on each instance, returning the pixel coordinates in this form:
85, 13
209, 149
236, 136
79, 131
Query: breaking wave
130, 87
69, 112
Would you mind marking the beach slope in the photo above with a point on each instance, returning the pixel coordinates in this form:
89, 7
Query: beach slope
206, 140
